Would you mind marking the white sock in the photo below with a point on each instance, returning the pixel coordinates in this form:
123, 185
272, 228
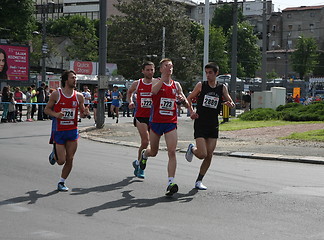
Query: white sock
170, 180
62, 180
144, 155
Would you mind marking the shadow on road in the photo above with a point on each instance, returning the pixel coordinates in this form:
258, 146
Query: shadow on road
32, 197
105, 188
128, 201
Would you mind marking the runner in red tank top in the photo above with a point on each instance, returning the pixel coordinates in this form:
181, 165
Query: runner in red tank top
142, 88
164, 120
63, 106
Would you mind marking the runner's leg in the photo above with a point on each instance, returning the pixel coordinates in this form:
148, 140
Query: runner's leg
171, 140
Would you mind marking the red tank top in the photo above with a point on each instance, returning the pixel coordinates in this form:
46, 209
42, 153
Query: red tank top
69, 107
95, 98
164, 104
18, 97
143, 99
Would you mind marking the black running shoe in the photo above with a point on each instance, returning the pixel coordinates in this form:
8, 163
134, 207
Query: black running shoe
171, 189
143, 160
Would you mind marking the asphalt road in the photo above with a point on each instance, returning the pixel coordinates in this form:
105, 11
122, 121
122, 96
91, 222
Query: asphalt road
246, 198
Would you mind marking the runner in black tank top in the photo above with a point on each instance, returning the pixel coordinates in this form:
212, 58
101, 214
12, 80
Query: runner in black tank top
210, 94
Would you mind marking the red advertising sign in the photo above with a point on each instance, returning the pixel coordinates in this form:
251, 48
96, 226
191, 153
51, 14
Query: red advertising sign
14, 62
86, 68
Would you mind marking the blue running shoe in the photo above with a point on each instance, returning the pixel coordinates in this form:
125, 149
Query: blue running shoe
61, 187
171, 189
51, 158
140, 173
136, 167
143, 160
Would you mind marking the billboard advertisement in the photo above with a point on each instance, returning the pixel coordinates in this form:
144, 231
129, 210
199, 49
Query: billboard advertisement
14, 62
91, 68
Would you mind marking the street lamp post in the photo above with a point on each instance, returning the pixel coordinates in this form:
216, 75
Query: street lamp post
44, 44
286, 62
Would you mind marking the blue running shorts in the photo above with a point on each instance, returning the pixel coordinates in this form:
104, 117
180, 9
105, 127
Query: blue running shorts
162, 128
61, 137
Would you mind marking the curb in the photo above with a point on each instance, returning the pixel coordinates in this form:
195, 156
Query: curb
260, 156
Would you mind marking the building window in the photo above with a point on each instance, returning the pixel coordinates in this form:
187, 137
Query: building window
299, 28
273, 28
289, 15
290, 27
201, 10
312, 14
311, 27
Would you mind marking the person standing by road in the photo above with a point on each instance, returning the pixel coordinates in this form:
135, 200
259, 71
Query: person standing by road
63, 106
18, 96
142, 88
33, 100
163, 120
209, 97
40, 100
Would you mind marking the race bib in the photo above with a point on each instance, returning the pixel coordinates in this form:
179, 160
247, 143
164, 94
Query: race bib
69, 113
167, 103
146, 102
210, 101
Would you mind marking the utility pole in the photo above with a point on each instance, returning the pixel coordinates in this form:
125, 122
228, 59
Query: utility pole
163, 42
264, 47
234, 59
206, 38
102, 78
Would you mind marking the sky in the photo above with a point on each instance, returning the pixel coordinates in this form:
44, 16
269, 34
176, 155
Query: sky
282, 4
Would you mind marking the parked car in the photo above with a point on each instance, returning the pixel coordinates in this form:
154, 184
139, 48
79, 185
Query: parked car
226, 78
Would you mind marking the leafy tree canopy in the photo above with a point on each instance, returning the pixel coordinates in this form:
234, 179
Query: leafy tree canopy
305, 57
137, 36
17, 20
82, 32
223, 17
248, 52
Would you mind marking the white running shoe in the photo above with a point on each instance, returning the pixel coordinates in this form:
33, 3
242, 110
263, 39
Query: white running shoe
199, 185
189, 153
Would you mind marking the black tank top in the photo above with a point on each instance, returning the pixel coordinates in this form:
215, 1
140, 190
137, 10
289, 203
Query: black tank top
209, 103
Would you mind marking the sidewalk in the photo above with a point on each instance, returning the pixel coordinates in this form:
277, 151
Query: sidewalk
124, 133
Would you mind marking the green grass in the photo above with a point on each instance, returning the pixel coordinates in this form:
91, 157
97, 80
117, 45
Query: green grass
314, 135
237, 124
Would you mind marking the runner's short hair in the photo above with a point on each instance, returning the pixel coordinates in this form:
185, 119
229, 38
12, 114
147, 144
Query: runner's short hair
65, 76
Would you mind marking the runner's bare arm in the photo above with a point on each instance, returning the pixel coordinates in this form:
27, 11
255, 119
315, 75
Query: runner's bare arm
130, 93
181, 97
156, 85
195, 92
50, 106
228, 100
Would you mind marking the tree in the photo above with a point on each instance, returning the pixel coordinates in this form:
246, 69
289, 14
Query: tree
17, 20
248, 52
304, 58
319, 69
137, 36
223, 17
82, 32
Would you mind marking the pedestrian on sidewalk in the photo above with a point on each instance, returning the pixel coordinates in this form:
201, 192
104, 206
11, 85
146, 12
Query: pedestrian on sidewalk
63, 106
142, 88
29, 106
209, 99
164, 120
